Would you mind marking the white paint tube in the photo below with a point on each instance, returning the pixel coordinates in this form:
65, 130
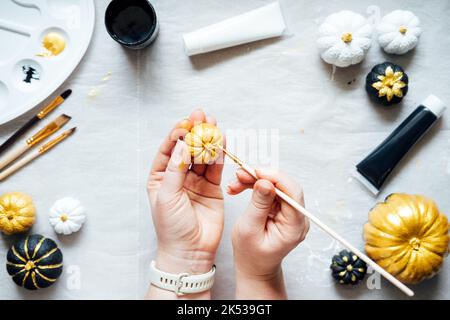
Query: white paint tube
263, 23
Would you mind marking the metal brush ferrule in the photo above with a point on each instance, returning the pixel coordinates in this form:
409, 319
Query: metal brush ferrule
42, 134
52, 106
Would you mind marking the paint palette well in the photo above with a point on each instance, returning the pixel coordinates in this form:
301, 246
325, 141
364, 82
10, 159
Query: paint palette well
41, 43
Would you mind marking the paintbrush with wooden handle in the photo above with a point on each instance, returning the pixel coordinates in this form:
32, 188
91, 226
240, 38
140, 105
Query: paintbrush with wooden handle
47, 131
42, 150
38, 117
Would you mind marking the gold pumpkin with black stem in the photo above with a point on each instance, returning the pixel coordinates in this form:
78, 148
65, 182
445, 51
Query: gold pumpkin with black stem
408, 236
387, 83
34, 262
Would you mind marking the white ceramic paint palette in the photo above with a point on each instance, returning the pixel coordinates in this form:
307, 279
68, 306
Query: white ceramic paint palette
29, 72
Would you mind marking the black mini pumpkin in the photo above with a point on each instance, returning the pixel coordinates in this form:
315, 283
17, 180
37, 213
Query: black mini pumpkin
34, 262
347, 268
387, 83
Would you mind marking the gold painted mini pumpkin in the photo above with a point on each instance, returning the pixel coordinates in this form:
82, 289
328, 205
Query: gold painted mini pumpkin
17, 212
204, 142
407, 236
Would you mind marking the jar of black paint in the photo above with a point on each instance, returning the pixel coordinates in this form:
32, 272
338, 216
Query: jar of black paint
132, 23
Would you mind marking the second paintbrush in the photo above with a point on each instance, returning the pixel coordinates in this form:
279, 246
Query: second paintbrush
43, 149
38, 117
44, 133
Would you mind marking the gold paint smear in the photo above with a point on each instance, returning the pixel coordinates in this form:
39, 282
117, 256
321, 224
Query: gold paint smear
54, 44
18, 256
38, 246
48, 254
33, 278
44, 277
50, 266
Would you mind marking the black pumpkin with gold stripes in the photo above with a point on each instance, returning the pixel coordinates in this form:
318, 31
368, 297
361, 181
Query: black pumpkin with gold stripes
34, 262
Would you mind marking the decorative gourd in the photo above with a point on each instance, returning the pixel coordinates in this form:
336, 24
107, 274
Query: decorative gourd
344, 38
347, 268
387, 83
67, 216
399, 32
407, 236
34, 262
204, 142
17, 212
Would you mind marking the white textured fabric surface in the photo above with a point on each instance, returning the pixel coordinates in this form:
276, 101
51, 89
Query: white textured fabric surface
325, 127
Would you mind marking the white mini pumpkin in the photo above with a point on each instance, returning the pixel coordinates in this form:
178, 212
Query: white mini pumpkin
399, 32
344, 38
67, 216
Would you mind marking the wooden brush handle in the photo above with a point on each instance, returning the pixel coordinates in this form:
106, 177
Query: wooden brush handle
18, 165
13, 155
10, 141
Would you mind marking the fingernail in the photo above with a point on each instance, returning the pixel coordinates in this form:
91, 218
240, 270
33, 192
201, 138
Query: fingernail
177, 156
264, 190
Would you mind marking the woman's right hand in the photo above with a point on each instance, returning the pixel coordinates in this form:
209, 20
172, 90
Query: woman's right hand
265, 234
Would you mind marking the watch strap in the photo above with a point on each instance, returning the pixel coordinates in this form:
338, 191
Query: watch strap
182, 283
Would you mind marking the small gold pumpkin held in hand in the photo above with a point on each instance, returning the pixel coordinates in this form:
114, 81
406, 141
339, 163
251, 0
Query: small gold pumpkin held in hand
17, 212
204, 141
408, 236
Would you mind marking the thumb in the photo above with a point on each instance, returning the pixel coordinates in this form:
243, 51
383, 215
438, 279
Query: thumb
177, 167
260, 204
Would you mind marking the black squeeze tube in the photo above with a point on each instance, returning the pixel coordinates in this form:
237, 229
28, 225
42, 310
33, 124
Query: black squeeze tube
379, 164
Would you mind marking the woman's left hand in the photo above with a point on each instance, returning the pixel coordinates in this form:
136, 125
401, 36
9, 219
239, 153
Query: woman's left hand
187, 204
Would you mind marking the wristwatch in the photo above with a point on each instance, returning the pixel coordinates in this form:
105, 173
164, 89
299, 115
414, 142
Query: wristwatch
182, 283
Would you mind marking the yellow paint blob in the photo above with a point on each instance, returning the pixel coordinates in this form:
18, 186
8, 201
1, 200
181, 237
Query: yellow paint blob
54, 43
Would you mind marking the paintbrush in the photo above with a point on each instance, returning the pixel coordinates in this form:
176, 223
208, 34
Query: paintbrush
39, 116
42, 150
323, 226
47, 131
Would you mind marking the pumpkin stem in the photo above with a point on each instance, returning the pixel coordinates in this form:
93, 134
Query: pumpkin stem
10, 215
403, 30
30, 265
414, 243
347, 37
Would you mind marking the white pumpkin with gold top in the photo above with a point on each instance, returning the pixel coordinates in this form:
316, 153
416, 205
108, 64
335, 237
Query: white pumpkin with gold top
67, 216
408, 236
399, 32
344, 38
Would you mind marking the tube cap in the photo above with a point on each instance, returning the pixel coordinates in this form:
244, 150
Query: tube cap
435, 105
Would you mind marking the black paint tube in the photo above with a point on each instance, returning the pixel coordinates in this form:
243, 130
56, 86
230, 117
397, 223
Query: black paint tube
376, 167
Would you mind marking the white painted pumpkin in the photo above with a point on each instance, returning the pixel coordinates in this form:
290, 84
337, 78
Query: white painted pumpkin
67, 216
399, 32
344, 38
